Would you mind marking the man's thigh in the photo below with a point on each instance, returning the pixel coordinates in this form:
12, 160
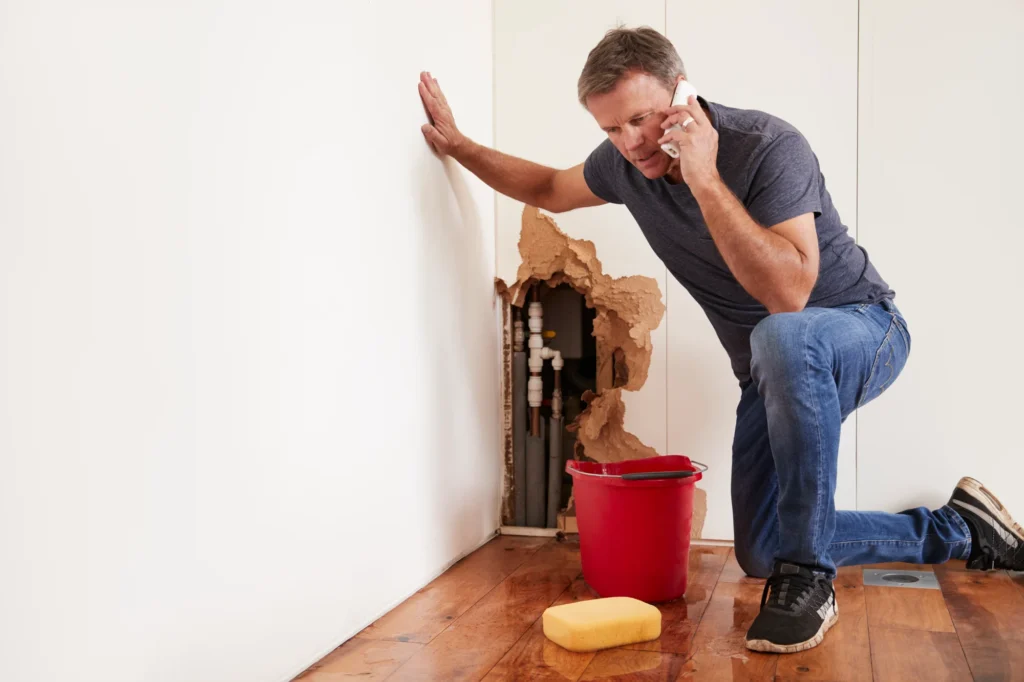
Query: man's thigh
871, 345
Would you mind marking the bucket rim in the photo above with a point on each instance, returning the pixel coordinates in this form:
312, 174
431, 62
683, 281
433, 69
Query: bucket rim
573, 468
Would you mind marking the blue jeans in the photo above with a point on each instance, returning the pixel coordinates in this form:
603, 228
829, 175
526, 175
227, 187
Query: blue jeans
809, 371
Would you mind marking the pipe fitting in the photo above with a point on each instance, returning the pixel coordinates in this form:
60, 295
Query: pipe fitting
535, 391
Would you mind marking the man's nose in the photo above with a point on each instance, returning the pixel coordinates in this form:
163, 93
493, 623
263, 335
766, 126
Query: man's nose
634, 138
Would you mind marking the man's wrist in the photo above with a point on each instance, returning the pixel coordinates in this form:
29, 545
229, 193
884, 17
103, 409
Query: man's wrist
707, 187
462, 149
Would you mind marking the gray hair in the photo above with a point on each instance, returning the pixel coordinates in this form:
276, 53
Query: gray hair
627, 49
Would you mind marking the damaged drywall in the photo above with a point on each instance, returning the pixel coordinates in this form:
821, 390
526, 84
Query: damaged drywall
601, 436
507, 503
627, 310
601, 433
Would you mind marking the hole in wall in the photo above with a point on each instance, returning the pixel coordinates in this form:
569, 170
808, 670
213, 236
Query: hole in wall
621, 313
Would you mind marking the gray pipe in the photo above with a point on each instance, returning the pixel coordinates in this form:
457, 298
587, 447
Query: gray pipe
536, 475
554, 471
519, 435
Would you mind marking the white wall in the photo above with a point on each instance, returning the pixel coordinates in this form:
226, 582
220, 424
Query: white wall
248, 387
940, 177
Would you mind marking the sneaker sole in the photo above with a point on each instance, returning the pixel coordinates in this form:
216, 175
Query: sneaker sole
991, 504
773, 648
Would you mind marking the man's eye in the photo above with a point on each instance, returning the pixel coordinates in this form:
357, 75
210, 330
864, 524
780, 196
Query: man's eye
638, 120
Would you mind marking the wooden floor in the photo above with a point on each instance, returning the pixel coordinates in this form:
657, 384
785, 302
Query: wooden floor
480, 620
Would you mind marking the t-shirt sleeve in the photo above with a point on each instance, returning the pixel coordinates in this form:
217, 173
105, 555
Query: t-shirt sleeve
786, 182
599, 170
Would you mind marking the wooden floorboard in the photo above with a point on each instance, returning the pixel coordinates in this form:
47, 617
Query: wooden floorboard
361, 659
634, 666
988, 612
535, 657
904, 655
732, 573
1018, 580
428, 612
478, 639
719, 649
680, 618
904, 607
482, 620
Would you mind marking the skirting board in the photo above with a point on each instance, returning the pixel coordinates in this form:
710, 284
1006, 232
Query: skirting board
552, 532
527, 531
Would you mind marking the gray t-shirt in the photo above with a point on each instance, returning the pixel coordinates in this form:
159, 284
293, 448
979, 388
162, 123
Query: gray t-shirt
769, 166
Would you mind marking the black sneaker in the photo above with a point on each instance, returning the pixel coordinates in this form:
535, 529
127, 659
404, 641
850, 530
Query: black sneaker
997, 541
797, 609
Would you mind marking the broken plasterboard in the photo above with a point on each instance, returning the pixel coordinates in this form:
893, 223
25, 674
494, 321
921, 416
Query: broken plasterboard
627, 310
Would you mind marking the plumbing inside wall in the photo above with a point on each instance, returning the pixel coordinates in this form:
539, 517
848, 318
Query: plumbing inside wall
554, 364
623, 312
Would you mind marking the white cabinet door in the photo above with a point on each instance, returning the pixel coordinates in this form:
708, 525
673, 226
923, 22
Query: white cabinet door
796, 59
941, 92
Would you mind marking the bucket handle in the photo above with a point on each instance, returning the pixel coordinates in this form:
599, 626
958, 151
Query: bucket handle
656, 475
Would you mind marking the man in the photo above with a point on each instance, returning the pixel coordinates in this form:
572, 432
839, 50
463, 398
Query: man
743, 220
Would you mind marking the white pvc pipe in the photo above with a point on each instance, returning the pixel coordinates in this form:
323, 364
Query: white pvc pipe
538, 354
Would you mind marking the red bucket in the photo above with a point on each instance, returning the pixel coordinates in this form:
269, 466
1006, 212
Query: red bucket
634, 523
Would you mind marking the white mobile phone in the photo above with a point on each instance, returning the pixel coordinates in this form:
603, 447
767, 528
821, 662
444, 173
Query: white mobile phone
680, 96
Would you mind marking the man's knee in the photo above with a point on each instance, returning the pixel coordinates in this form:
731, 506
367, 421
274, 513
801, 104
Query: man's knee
755, 563
779, 344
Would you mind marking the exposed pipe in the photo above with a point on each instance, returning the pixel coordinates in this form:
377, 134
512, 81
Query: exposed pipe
536, 475
536, 385
519, 423
555, 443
554, 470
536, 471
538, 354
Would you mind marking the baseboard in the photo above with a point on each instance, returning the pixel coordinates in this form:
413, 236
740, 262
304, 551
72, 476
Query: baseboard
526, 531
711, 543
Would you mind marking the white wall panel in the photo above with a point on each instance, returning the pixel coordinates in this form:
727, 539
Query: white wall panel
941, 92
248, 391
796, 59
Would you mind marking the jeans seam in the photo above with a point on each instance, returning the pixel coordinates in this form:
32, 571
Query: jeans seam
817, 432
844, 543
874, 364
903, 332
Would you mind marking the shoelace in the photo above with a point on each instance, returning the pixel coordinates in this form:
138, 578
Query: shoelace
985, 561
786, 591
989, 561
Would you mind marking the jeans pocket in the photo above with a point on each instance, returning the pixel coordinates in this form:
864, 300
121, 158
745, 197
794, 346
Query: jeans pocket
889, 361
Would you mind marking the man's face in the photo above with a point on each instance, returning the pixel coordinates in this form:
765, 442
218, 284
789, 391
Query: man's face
631, 116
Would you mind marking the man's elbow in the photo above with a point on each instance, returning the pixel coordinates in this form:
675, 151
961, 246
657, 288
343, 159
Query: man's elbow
791, 301
781, 307
553, 204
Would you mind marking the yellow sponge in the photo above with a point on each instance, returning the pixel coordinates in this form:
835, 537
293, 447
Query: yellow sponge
602, 623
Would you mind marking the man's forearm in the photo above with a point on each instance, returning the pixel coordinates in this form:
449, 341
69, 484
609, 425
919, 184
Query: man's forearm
769, 267
518, 178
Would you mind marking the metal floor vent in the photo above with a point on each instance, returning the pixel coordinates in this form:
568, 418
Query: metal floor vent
922, 580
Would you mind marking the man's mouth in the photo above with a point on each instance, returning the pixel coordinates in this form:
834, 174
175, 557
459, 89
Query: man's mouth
647, 159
